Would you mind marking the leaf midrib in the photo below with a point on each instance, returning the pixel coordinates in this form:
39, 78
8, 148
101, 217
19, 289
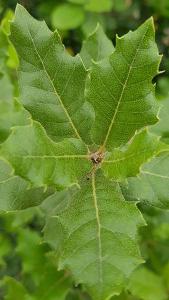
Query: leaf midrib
56, 157
138, 154
155, 174
8, 179
99, 228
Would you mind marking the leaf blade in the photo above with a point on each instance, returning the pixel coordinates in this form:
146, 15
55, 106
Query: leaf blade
41, 161
51, 82
126, 162
120, 88
16, 193
96, 47
151, 186
93, 247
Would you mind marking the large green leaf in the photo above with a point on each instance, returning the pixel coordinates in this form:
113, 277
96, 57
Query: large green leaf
91, 227
121, 90
52, 82
43, 162
152, 185
125, 162
15, 193
99, 247
96, 47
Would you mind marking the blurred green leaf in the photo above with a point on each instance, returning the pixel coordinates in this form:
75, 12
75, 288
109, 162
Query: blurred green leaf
7, 90
15, 290
78, 1
12, 58
99, 6
124, 296
67, 16
5, 248
146, 285
49, 283
160, 7
5, 24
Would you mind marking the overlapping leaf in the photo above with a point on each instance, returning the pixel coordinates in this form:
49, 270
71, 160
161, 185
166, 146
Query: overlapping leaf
152, 185
99, 246
52, 82
125, 162
15, 192
162, 127
11, 114
121, 89
146, 285
96, 47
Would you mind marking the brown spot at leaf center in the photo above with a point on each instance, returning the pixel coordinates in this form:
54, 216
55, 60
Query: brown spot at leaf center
96, 157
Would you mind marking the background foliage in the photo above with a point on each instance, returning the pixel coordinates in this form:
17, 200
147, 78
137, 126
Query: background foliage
29, 273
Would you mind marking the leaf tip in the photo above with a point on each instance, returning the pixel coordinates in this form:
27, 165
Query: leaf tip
19, 8
150, 22
95, 30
